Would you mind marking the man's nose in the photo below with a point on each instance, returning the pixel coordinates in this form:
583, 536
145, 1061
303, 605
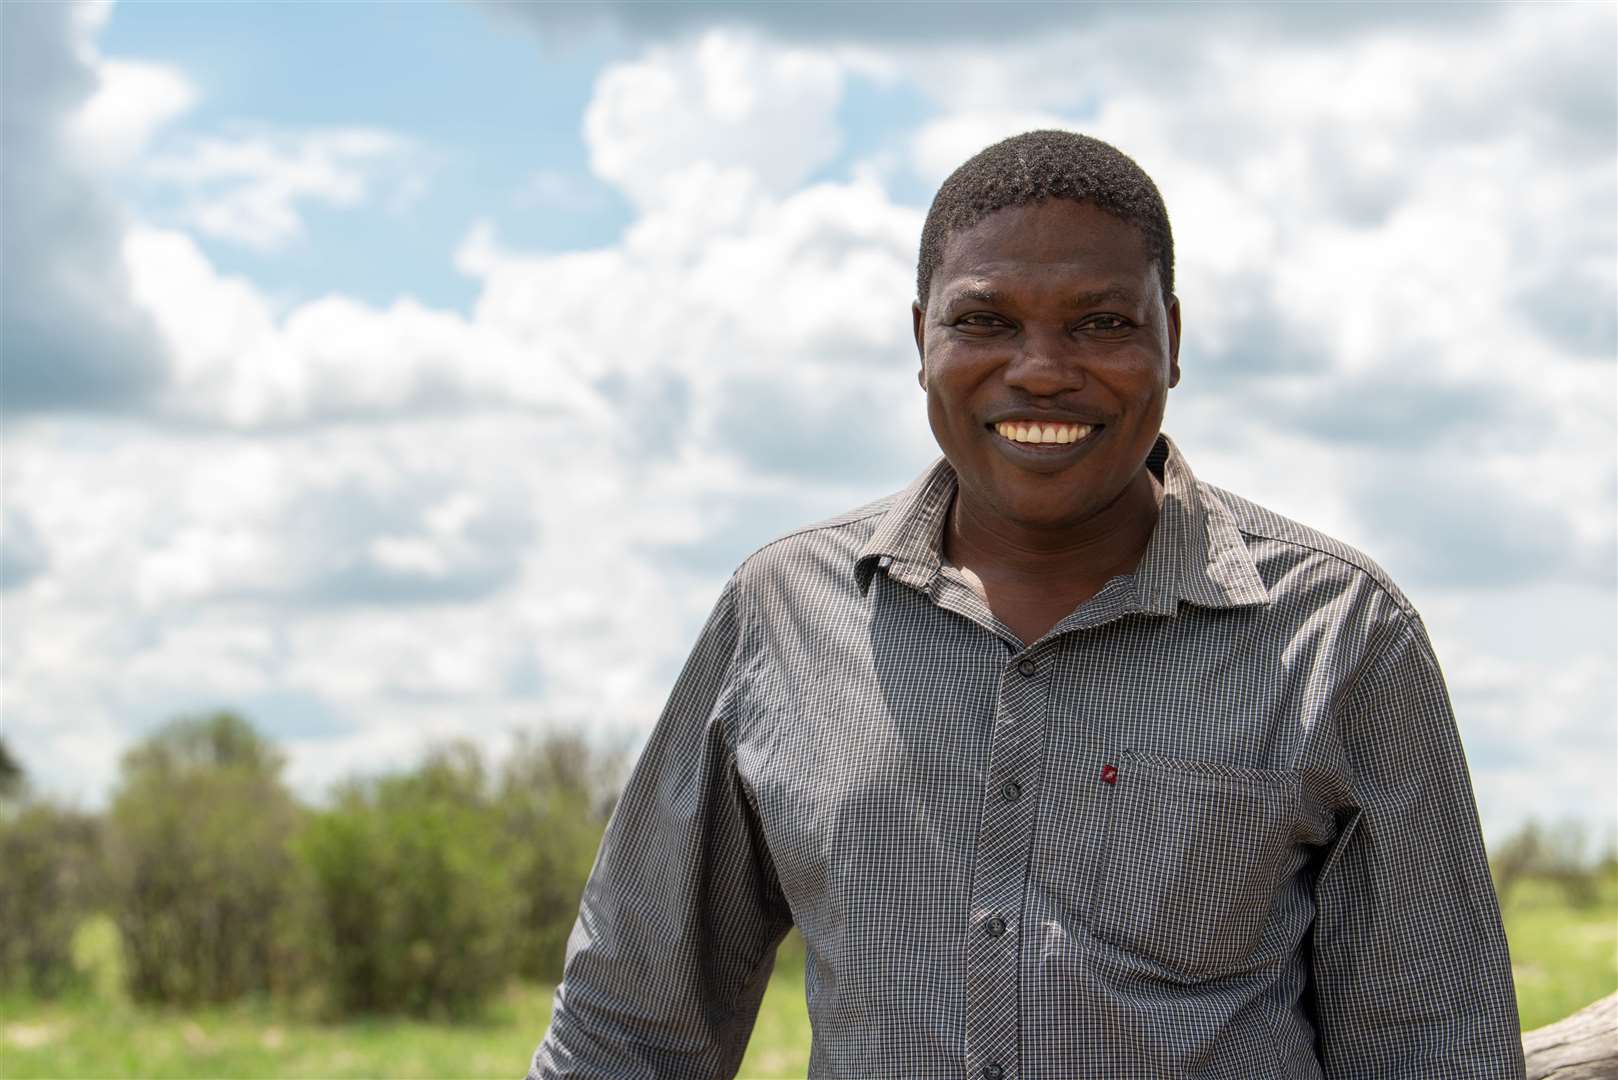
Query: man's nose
1045, 364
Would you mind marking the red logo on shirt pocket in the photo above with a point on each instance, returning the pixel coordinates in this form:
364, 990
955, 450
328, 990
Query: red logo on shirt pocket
1109, 774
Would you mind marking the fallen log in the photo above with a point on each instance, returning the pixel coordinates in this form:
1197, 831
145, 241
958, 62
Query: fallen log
1582, 1047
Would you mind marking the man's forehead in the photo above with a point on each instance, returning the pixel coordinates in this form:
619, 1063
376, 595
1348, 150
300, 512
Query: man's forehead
1005, 287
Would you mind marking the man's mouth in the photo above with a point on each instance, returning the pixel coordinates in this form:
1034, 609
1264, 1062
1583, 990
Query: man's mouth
1059, 434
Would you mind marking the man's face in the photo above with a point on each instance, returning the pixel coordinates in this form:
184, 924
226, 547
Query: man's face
1047, 321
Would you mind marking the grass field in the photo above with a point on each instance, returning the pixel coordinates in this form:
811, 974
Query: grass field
1564, 958
87, 1040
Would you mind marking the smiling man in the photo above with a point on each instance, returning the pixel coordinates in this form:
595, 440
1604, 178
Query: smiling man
1065, 763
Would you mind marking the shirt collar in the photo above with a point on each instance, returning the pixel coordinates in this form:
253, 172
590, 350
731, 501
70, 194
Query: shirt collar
1196, 554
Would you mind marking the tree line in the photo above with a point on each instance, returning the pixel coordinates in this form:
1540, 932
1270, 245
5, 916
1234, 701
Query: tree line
421, 891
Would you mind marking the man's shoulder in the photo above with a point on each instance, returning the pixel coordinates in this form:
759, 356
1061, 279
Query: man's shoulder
811, 552
1290, 554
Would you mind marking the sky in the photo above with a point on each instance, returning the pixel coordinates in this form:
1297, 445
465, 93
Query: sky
401, 373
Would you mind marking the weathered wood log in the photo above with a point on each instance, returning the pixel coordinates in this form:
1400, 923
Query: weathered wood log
1582, 1047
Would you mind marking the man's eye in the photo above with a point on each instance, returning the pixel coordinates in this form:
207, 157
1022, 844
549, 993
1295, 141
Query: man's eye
1107, 324
979, 321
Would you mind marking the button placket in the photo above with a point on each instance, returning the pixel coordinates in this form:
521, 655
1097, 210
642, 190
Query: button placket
1000, 869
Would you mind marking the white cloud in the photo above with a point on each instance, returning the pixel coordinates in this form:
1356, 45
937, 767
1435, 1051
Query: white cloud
69, 332
552, 190
22, 557
249, 188
134, 99
759, 331
238, 362
728, 101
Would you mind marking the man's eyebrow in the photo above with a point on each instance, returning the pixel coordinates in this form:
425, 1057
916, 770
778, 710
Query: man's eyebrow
982, 294
1120, 293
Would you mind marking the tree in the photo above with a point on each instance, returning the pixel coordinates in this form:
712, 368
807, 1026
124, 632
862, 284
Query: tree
198, 860
556, 793
409, 897
12, 779
48, 884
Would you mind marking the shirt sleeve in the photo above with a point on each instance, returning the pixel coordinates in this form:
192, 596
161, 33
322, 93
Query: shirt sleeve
677, 931
1410, 971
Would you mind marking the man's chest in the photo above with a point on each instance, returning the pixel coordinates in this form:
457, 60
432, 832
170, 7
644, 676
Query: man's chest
1144, 781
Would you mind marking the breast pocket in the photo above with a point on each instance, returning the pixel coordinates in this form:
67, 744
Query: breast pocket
1196, 853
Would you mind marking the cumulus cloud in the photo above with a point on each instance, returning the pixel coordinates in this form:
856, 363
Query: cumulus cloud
341, 535
239, 362
727, 102
69, 332
779, 337
22, 554
248, 188
894, 24
553, 190
414, 579
133, 100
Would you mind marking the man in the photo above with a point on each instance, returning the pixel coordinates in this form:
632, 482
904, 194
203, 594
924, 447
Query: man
1065, 763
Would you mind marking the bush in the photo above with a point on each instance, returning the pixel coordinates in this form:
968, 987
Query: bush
1558, 855
48, 883
410, 901
556, 794
198, 863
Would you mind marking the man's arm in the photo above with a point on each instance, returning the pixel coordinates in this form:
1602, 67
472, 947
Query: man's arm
1410, 971
677, 931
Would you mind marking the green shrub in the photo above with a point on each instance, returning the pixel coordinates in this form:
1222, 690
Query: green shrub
198, 863
1559, 854
410, 902
98, 958
556, 794
48, 883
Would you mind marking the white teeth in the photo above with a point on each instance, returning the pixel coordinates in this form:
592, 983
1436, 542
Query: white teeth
1059, 434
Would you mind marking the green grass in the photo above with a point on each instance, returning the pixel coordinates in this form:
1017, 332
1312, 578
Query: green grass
86, 1039
98, 1036
1564, 958
247, 1041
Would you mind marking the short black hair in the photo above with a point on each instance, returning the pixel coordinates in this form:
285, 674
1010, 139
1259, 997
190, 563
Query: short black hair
1040, 165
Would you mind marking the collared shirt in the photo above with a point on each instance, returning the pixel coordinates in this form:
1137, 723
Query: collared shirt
1216, 823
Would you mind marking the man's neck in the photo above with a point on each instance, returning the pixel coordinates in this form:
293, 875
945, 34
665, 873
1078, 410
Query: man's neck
1025, 570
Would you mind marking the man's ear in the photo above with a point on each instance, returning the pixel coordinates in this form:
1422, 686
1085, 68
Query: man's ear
916, 317
1174, 341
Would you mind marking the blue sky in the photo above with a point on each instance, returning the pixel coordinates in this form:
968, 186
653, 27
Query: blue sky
494, 105
490, 107
398, 373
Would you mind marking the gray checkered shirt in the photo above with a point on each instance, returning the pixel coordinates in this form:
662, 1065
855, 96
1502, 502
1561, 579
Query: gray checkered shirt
1215, 823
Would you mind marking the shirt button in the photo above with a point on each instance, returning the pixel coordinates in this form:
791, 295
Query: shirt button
1011, 791
1028, 667
992, 1071
995, 926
